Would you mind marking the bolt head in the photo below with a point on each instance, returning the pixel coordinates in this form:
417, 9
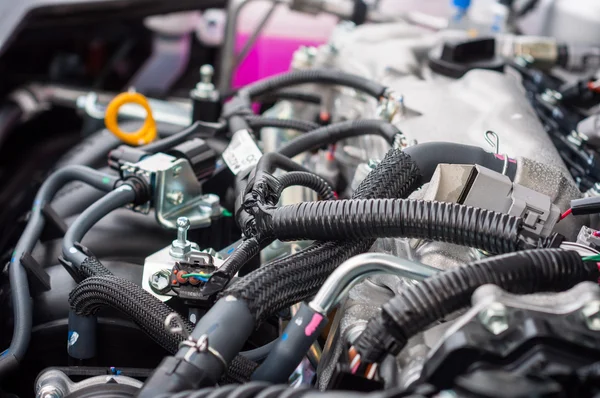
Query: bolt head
175, 197
591, 315
207, 70
494, 318
49, 391
159, 282
183, 222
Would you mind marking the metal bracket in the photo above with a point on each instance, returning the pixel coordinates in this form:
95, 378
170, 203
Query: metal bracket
177, 192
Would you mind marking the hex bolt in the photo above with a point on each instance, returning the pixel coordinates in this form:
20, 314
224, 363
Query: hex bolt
159, 281
183, 224
49, 391
181, 246
591, 315
494, 318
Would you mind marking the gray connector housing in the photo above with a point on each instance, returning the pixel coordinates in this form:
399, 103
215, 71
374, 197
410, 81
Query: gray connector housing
586, 237
477, 186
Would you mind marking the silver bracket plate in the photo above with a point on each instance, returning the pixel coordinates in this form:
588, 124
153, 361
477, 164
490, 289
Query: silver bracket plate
177, 192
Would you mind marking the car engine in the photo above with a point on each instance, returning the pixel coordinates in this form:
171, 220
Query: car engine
408, 208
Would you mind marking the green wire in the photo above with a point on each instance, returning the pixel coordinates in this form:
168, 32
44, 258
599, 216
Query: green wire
201, 276
226, 213
595, 257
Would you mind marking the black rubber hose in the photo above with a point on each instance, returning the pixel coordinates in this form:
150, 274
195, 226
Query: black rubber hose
384, 218
259, 122
287, 281
260, 353
94, 149
418, 306
336, 132
316, 76
428, 155
18, 277
197, 129
290, 96
307, 180
86, 220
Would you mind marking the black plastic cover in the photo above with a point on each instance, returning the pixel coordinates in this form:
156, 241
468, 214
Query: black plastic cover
455, 58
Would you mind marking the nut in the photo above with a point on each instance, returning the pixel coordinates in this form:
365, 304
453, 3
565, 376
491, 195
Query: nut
159, 282
494, 318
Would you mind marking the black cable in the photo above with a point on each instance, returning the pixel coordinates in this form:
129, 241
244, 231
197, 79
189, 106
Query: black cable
290, 96
336, 132
316, 76
93, 150
260, 353
86, 220
198, 129
385, 218
17, 275
418, 306
307, 180
258, 122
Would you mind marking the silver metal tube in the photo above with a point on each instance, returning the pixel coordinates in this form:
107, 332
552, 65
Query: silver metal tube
228, 56
254, 36
355, 269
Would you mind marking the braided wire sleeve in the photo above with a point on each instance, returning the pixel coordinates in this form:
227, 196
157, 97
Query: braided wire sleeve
418, 306
283, 282
379, 218
145, 310
258, 389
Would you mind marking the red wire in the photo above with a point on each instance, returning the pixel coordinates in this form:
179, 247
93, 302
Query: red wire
565, 214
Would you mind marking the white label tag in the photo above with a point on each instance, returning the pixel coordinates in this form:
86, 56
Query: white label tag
242, 152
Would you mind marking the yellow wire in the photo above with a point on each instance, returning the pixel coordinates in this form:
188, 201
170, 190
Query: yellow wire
145, 135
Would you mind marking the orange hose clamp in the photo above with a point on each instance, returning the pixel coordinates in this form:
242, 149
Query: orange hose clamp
146, 134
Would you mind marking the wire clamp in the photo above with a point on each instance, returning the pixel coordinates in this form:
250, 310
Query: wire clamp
195, 346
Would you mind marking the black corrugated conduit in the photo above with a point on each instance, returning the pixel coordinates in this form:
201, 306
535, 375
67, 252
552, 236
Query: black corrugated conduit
379, 218
418, 306
307, 180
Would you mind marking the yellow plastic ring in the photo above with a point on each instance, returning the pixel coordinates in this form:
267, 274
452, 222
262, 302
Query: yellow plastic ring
145, 135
